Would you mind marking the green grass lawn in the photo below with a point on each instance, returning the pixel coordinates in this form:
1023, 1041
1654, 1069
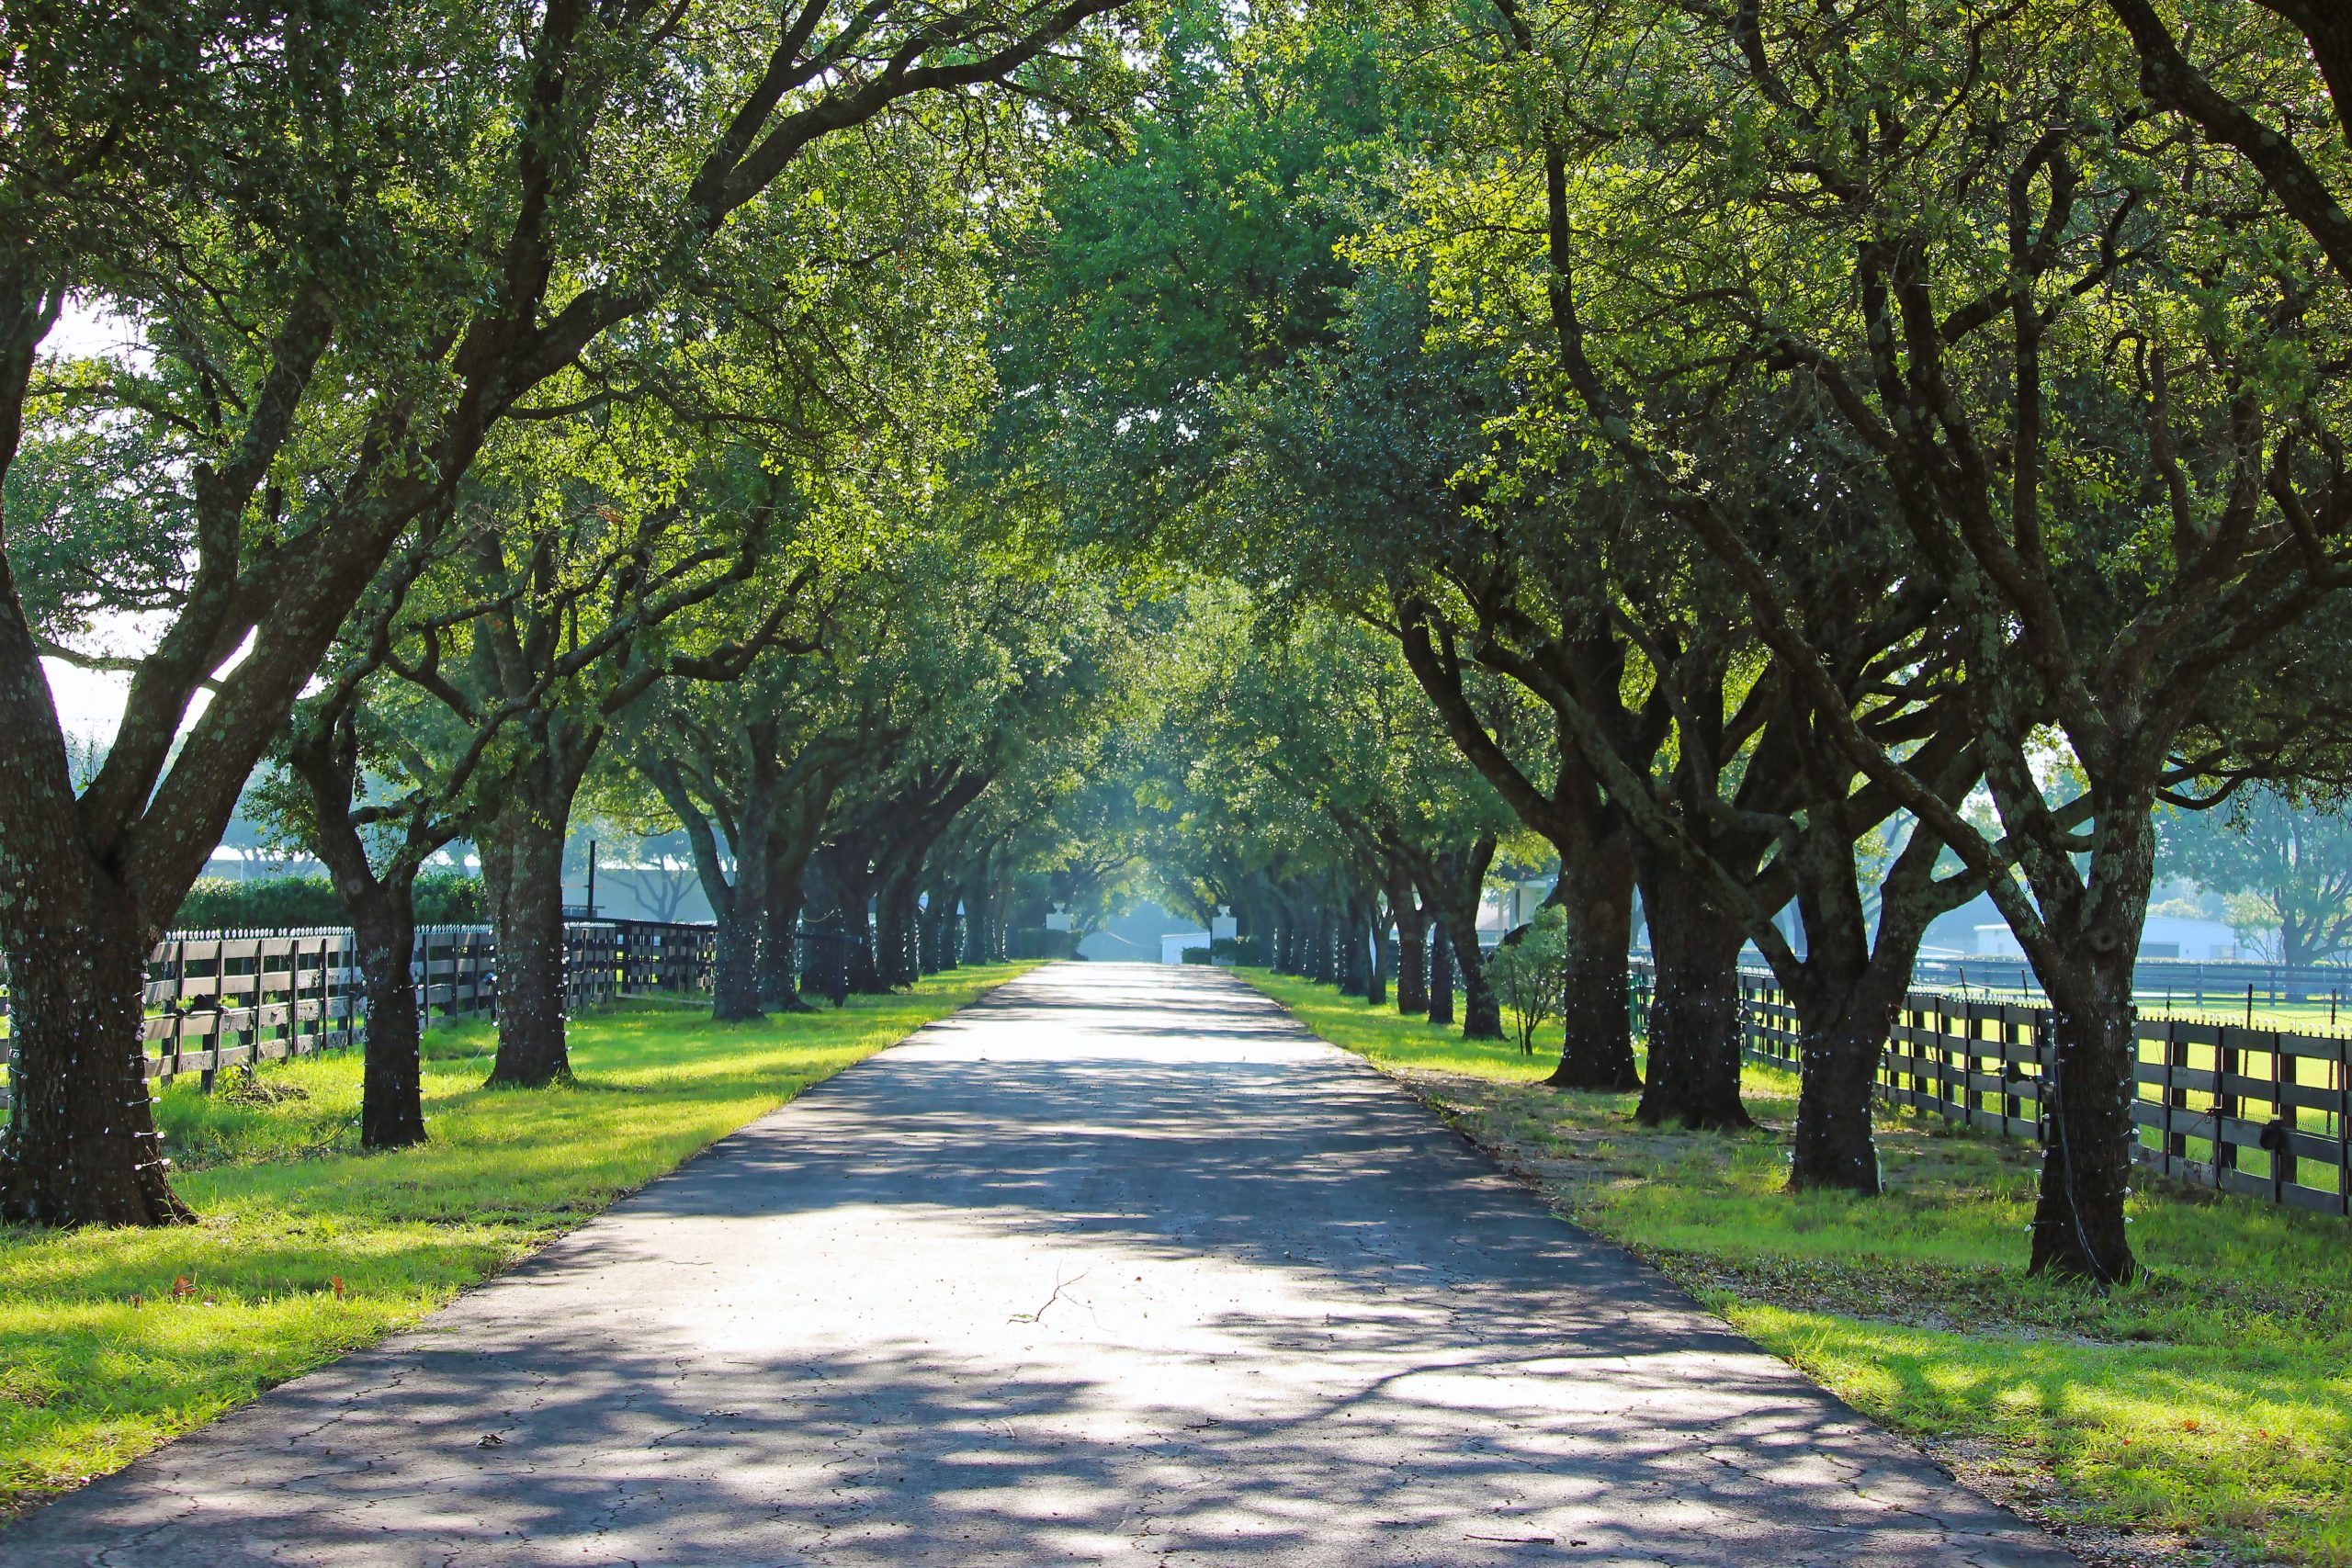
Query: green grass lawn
2203, 1412
112, 1341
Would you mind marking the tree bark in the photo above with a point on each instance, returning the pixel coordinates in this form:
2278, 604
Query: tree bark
897, 924
976, 916
736, 970
82, 1147
1410, 948
1440, 993
1355, 945
1596, 1012
1835, 1147
1384, 958
2079, 1228
940, 946
1482, 1010
779, 974
391, 1078
1694, 1012
2078, 1221
522, 866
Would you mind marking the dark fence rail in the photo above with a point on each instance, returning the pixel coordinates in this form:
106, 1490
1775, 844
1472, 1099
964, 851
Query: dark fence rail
2266, 1112
2200, 985
225, 999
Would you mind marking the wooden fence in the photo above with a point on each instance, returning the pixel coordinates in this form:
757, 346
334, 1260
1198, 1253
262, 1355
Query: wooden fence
2260, 1111
219, 1001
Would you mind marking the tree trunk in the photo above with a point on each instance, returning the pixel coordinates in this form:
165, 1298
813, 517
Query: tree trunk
975, 901
1411, 947
1835, 1147
865, 975
2078, 1220
942, 944
523, 865
1694, 1012
1441, 993
1355, 950
890, 938
82, 1147
391, 1079
932, 950
898, 920
735, 976
779, 985
1383, 959
1597, 1034
1482, 1010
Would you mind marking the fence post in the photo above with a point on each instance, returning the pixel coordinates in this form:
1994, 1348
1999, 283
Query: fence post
2176, 1143
2283, 1116
2343, 1131
2013, 1103
2227, 1058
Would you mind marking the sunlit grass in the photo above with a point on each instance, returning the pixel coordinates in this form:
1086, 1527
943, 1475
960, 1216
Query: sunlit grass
2211, 1400
113, 1340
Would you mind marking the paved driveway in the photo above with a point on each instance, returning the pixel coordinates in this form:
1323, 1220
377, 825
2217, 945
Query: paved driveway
1117, 1266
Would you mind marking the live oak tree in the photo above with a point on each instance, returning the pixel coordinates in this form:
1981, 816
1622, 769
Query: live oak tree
1329, 709
2283, 864
376, 778
1999, 272
1686, 762
594, 584
145, 144
478, 200
1361, 462
749, 770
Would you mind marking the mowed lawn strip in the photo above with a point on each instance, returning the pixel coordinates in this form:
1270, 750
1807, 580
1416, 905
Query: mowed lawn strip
2205, 1412
112, 1341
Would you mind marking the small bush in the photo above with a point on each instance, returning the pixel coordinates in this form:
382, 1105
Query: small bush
1198, 956
1248, 950
1527, 972
1036, 941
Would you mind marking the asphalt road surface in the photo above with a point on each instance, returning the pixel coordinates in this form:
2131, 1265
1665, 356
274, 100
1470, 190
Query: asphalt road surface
1117, 1266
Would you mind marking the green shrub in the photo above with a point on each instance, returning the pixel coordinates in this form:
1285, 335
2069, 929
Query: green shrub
451, 899
1244, 950
1199, 955
285, 903
262, 903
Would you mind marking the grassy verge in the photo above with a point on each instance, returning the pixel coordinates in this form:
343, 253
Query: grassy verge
2202, 1414
112, 1341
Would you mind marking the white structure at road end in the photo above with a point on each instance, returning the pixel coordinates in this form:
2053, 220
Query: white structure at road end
1172, 945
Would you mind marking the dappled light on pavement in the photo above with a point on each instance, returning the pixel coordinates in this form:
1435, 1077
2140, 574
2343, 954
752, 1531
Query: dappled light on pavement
1116, 1266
